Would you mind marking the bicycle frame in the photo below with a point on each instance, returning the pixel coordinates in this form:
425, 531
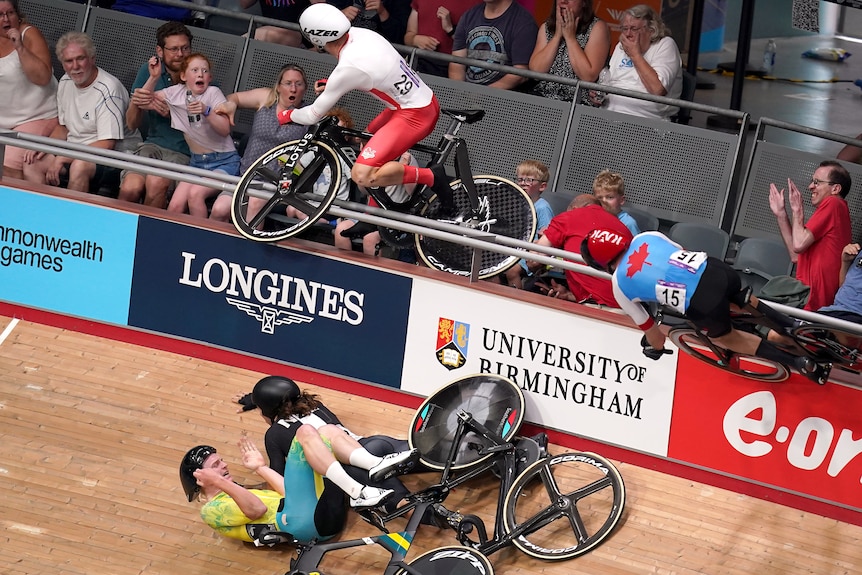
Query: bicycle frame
435, 494
397, 544
336, 137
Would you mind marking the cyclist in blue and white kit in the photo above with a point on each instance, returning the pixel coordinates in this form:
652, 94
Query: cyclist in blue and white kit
368, 62
653, 269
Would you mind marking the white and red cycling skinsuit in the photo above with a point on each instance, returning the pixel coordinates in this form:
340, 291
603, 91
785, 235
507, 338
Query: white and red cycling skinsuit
369, 63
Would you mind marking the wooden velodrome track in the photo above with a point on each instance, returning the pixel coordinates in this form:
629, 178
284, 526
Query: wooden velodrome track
93, 430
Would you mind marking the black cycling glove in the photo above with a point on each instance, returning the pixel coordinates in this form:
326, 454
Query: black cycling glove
246, 402
652, 352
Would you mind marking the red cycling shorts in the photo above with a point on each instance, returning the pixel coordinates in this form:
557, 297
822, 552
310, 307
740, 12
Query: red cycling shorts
396, 131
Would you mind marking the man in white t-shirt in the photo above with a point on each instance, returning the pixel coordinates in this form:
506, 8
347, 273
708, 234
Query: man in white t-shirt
92, 108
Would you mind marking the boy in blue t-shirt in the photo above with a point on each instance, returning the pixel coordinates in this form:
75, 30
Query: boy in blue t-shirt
532, 176
610, 190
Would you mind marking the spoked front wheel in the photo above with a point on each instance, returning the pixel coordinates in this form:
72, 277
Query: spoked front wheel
504, 209
564, 505
258, 209
831, 344
696, 345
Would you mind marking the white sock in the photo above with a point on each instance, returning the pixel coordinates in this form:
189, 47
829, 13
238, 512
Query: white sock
339, 476
363, 459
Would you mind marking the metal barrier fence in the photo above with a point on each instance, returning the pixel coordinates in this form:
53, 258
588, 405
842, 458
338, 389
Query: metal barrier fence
676, 172
576, 141
774, 163
472, 238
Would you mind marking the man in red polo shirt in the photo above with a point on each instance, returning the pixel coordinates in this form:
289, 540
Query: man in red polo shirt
816, 245
567, 230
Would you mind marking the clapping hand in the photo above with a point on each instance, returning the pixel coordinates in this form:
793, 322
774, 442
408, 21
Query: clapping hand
776, 200
795, 197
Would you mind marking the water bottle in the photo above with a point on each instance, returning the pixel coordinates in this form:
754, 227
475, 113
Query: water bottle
769, 57
194, 119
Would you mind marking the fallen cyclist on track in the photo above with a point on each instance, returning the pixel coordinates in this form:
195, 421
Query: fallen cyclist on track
322, 460
653, 269
231, 509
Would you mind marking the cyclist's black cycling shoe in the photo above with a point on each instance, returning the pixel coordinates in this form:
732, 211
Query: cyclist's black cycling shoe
816, 372
445, 195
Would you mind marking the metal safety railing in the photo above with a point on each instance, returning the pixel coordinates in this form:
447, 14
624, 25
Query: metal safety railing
475, 239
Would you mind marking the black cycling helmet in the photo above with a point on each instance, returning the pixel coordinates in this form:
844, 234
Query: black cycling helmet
193, 461
272, 392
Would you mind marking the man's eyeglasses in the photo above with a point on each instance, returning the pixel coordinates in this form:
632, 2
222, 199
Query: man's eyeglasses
525, 180
817, 182
177, 49
296, 84
627, 29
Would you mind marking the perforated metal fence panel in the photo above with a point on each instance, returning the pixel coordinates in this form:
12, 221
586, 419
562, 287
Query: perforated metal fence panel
53, 18
516, 126
772, 163
679, 173
124, 42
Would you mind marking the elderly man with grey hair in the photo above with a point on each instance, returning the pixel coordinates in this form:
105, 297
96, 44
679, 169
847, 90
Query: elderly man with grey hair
92, 107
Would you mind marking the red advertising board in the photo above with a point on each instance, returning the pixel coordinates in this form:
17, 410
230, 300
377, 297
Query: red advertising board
794, 435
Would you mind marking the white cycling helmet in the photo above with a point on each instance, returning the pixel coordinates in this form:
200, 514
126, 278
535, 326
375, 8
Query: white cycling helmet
323, 23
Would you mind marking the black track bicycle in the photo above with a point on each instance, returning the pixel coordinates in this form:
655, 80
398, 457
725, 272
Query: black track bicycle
551, 507
822, 343
308, 173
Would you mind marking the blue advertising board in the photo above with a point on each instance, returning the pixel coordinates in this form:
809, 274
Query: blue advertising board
66, 257
263, 299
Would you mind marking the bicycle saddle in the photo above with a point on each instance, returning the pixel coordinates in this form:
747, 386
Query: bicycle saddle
466, 116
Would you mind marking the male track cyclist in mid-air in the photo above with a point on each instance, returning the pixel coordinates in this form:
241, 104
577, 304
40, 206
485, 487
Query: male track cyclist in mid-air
368, 62
653, 269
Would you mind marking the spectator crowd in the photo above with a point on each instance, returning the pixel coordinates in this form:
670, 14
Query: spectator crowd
188, 118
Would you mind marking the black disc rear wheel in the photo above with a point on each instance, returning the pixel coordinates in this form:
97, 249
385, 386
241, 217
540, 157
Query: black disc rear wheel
492, 400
